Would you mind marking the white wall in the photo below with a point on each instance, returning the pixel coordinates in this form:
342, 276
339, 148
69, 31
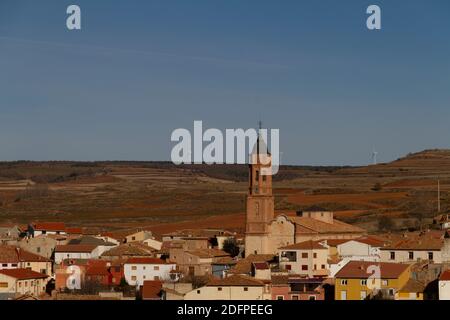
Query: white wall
356, 248
444, 290
147, 272
227, 293
402, 256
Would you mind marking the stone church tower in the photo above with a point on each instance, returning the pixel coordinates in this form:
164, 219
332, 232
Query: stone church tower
260, 201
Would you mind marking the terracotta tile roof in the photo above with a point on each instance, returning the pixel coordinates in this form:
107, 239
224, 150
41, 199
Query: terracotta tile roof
359, 270
278, 280
151, 290
445, 276
371, 241
413, 286
145, 261
75, 248
306, 245
23, 274
234, 281
308, 225
12, 254
50, 226
334, 242
244, 266
261, 265
225, 260
129, 249
416, 243
74, 230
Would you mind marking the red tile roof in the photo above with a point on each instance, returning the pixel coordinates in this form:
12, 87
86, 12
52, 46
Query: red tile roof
151, 290
362, 270
445, 276
50, 226
145, 261
261, 265
74, 230
12, 254
23, 274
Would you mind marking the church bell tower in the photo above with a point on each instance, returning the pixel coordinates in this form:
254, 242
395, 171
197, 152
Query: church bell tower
260, 201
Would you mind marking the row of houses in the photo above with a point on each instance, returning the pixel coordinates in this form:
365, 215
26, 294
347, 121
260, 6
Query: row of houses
192, 265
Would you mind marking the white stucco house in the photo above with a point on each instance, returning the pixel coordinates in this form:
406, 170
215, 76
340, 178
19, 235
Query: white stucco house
137, 270
444, 285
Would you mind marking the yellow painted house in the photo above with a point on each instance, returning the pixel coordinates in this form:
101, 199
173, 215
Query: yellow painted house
360, 280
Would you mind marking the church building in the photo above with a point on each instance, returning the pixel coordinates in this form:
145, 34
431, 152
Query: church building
265, 232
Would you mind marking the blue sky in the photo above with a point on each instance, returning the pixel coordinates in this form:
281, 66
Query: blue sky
140, 69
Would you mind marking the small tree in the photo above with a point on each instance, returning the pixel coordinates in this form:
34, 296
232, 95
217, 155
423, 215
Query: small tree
376, 187
230, 246
386, 223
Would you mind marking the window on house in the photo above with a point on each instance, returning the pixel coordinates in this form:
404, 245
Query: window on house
430, 255
343, 282
384, 282
198, 291
315, 255
391, 292
43, 271
143, 267
288, 267
133, 278
145, 277
4, 264
156, 268
156, 278
219, 289
304, 255
294, 297
38, 249
392, 255
323, 266
133, 268
26, 283
364, 282
312, 298
304, 267
411, 255
315, 267
245, 289
133, 238
14, 265
280, 297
